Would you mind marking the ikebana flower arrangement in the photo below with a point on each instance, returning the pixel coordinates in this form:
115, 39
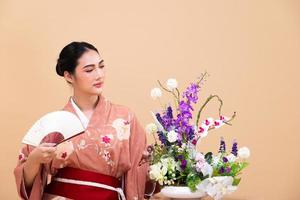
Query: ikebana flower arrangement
175, 160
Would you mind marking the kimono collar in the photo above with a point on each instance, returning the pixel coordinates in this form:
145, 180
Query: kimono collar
84, 120
99, 116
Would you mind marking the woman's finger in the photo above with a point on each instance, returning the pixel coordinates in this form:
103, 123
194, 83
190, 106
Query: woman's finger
47, 144
48, 149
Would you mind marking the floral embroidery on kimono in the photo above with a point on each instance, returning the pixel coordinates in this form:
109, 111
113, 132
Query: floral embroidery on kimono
122, 128
112, 144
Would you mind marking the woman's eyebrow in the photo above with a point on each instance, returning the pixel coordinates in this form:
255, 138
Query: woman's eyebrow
92, 65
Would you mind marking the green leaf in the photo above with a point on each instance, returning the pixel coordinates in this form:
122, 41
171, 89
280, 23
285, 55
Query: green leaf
236, 168
236, 181
215, 172
208, 157
192, 181
243, 165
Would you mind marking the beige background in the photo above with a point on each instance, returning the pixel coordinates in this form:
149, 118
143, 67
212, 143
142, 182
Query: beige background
250, 48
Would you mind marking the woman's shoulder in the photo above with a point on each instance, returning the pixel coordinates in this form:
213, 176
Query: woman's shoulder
121, 108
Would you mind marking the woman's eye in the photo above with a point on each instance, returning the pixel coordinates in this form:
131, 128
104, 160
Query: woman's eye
89, 70
102, 66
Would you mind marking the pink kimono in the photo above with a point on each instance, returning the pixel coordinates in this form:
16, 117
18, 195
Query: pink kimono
112, 144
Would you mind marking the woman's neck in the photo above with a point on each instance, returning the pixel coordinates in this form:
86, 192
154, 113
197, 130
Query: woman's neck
85, 102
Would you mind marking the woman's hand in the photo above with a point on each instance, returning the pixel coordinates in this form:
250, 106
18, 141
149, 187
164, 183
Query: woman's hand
42, 154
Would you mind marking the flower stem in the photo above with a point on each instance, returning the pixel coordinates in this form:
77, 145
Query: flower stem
177, 98
154, 138
205, 103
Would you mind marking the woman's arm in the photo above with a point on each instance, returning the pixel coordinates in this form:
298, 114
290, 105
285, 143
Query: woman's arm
43, 153
29, 172
136, 177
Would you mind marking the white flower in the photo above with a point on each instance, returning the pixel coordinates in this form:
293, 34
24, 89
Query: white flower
208, 122
244, 152
155, 170
159, 170
168, 163
231, 158
151, 128
180, 149
203, 130
224, 118
172, 84
200, 157
202, 165
218, 123
215, 160
172, 136
156, 93
217, 187
207, 169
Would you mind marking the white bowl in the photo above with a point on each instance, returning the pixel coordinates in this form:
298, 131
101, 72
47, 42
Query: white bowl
181, 192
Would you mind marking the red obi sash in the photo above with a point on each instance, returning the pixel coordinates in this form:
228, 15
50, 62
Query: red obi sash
62, 185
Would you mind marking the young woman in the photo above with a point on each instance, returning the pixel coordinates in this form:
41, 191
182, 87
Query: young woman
107, 161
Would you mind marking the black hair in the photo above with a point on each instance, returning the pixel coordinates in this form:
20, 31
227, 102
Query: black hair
69, 55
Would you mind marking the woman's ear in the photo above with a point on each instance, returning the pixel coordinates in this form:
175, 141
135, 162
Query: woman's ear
68, 77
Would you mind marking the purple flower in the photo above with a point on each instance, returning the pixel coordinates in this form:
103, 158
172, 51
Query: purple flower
168, 120
183, 164
160, 120
185, 109
225, 159
180, 157
228, 169
179, 140
170, 112
234, 149
221, 170
185, 106
183, 127
162, 137
191, 93
190, 133
222, 148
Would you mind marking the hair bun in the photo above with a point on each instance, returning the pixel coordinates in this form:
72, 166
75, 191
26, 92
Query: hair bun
59, 67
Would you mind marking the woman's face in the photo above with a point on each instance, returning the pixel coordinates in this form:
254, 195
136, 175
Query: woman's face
89, 74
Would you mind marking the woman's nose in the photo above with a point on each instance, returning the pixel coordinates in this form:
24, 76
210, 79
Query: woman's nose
99, 73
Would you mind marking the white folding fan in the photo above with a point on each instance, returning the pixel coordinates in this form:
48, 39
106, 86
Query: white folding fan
63, 122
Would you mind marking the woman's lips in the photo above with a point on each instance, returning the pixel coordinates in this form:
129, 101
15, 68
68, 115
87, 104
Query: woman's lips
98, 85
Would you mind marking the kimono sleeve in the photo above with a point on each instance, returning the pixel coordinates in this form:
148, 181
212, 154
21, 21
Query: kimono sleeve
136, 177
39, 181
